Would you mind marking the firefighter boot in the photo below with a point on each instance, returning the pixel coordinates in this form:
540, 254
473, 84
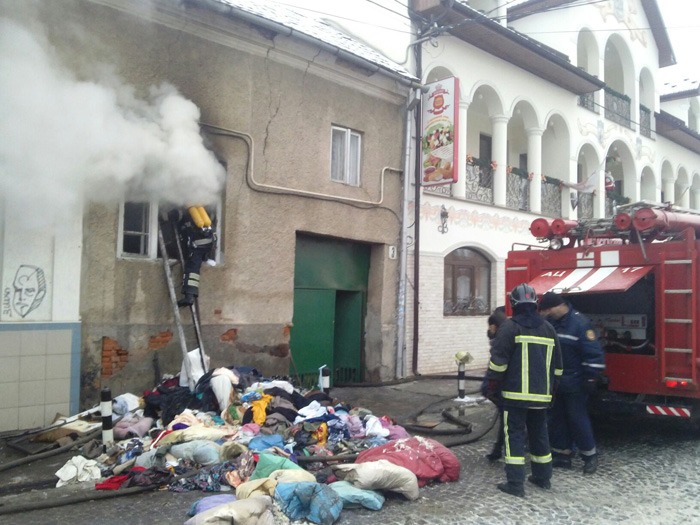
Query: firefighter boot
514, 489
541, 483
561, 461
590, 464
187, 300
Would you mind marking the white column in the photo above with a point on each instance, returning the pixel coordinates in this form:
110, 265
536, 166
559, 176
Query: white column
599, 199
695, 203
499, 124
534, 166
460, 188
669, 191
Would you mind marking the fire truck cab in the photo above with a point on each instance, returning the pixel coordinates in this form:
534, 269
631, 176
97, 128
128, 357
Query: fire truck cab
636, 277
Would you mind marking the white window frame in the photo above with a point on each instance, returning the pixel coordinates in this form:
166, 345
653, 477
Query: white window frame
346, 175
152, 247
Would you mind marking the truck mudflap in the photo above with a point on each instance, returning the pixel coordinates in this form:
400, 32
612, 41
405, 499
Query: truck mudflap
667, 410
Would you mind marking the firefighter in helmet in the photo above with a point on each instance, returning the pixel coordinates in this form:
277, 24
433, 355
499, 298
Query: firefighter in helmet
198, 242
525, 365
584, 362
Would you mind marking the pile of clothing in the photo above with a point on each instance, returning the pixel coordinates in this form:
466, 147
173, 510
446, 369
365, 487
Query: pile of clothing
238, 432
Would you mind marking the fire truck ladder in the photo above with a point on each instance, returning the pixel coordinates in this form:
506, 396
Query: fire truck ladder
678, 314
167, 264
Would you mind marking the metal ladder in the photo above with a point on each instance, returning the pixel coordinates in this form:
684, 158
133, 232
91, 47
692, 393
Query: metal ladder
167, 265
679, 300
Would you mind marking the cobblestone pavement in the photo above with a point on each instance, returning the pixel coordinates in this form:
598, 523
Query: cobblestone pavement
649, 474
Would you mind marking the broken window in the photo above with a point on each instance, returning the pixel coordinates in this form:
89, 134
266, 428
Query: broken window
345, 156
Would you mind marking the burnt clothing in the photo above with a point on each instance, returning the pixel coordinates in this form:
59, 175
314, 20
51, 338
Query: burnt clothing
515, 422
526, 359
582, 354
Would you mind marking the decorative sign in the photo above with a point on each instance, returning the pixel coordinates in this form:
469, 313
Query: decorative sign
440, 127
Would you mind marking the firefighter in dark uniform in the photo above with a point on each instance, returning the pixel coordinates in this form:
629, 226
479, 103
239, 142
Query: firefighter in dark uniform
525, 365
584, 362
198, 245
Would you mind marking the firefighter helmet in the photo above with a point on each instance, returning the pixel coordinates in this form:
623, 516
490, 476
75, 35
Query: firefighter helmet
523, 293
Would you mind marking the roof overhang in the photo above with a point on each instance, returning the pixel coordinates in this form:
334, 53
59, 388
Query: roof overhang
674, 129
606, 279
651, 9
472, 27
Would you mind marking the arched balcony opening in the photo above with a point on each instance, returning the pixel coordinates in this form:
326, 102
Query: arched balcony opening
619, 79
646, 102
668, 190
587, 54
555, 166
648, 191
524, 154
621, 182
589, 173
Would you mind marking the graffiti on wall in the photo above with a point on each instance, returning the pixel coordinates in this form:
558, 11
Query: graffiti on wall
27, 292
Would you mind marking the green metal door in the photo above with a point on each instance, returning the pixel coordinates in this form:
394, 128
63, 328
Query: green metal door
348, 336
312, 336
330, 291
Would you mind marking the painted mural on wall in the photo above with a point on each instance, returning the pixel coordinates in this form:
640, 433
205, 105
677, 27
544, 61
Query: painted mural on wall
26, 294
476, 219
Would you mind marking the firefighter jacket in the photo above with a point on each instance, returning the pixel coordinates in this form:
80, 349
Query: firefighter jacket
526, 359
583, 356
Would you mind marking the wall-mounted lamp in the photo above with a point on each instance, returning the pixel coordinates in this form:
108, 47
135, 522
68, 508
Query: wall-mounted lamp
443, 219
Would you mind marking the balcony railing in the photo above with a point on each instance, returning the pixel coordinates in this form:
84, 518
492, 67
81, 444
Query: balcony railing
479, 183
585, 205
617, 107
517, 191
587, 100
645, 121
551, 199
443, 189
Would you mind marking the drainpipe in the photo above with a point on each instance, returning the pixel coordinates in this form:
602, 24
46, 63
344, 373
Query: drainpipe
403, 255
416, 218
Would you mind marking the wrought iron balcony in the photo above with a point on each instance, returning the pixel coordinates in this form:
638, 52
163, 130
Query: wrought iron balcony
617, 108
517, 191
443, 189
479, 183
645, 121
587, 100
551, 199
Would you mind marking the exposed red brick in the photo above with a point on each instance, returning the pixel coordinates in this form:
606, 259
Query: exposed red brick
159, 341
229, 336
286, 330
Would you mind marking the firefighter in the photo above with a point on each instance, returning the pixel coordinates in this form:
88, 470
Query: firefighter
198, 245
494, 321
525, 365
583, 364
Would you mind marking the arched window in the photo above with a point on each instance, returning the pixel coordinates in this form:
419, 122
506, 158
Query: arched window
467, 283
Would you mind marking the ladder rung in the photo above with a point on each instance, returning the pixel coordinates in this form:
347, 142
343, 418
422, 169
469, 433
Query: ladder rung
686, 321
679, 350
688, 290
678, 261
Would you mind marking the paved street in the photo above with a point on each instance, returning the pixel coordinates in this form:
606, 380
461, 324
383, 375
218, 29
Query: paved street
649, 473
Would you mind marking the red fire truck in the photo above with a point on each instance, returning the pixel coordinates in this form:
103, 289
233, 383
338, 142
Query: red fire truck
636, 277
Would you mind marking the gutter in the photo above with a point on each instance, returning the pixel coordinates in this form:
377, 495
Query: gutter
278, 28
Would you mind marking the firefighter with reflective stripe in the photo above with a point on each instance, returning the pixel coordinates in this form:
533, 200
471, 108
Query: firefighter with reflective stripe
198, 245
525, 364
584, 362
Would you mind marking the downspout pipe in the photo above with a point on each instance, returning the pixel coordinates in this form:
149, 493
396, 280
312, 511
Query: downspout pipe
288, 31
416, 218
403, 255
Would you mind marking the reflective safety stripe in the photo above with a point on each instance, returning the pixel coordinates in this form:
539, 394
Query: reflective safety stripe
505, 432
540, 398
541, 459
514, 461
497, 368
567, 336
558, 371
593, 365
202, 242
194, 284
525, 341
193, 275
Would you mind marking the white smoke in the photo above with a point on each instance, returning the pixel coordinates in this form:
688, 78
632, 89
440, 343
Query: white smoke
65, 140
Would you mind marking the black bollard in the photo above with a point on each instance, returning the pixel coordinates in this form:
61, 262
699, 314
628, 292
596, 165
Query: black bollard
106, 410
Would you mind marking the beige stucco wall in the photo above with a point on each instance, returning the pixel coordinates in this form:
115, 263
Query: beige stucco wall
286, 95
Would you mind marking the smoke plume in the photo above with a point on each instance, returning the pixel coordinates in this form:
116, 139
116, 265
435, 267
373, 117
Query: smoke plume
67, 140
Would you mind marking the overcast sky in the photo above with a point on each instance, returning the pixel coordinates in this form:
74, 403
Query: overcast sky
682, 20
